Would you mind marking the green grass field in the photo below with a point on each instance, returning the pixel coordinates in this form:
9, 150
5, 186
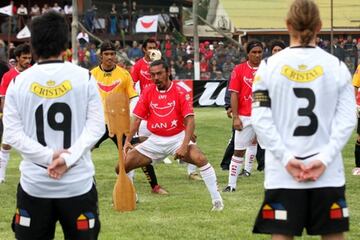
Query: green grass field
185, 213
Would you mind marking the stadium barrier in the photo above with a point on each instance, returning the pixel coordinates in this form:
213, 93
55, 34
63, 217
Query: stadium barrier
205, 93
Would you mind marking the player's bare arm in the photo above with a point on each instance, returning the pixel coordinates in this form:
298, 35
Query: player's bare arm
133, 129
235, 115
189, 131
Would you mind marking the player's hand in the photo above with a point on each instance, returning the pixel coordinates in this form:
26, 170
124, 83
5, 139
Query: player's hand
181, 152
229, 112
237, 124
57, 153
127, 146
57, 168
296, 169
193, 138
313, 170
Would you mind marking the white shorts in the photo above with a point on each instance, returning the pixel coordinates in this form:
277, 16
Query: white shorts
246, 136
158, 147
143, 130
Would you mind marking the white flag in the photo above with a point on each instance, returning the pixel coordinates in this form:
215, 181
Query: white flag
24, 33
147, 23
7, 10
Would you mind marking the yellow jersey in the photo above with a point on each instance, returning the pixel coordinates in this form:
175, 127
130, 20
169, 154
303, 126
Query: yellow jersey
356, 78
117, 80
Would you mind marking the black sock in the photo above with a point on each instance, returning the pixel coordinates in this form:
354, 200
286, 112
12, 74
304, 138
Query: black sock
150, 175
357, 154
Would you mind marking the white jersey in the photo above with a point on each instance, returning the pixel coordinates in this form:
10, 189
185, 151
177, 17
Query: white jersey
53, 106
303, 107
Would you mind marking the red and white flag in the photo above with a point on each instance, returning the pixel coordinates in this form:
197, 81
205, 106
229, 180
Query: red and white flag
7, 10
147, 23
24, 33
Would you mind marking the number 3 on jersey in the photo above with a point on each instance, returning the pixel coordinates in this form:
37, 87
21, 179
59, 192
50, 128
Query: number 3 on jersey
64, 125
309, 95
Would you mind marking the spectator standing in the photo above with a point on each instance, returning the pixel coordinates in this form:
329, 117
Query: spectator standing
113, 19
303, 121
22, 14
57, 8
174, 17
124, 18
45, 8
35, 11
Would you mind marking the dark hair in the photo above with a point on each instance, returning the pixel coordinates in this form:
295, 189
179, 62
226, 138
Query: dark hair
304, 17
149, 40
253, 43
107, 46
278, 43
49, 34
22, 49
163, 63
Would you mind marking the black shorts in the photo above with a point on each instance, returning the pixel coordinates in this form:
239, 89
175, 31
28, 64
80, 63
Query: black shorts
35, 218
320, 211
114, 139
358, 127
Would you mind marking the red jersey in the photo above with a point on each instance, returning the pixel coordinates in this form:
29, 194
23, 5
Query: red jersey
141, 72
241, 82
6, 79
165, 111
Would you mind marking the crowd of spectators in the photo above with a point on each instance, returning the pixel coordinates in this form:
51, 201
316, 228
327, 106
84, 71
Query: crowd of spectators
119, 17
22, 15
217, 58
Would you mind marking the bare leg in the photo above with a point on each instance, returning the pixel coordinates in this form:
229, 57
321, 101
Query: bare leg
335, 236
135, 159
281, 237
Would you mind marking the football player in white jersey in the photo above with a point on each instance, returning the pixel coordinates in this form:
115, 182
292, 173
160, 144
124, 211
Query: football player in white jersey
53, 116
303, 114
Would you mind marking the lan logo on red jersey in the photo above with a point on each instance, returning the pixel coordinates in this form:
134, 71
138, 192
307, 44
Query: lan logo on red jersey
163, 111
339, 210
274, 211
85, 221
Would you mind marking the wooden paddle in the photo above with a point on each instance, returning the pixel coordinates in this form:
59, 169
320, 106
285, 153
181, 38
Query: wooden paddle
117, 112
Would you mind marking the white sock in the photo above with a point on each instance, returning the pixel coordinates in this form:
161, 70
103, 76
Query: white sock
250, 157
131, 175
4, 157
207, 173
191, 168
234, 170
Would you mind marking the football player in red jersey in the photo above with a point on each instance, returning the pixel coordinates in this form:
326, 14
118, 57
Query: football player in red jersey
140, 73
170, 119
241, 96
23, 60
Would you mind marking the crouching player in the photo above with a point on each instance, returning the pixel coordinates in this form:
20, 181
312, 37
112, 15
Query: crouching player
170, 119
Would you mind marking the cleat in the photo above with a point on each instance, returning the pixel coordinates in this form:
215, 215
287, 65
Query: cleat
218, 206
244, 173
167, 160
159, 190
356, 171
195, 176
229, 189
